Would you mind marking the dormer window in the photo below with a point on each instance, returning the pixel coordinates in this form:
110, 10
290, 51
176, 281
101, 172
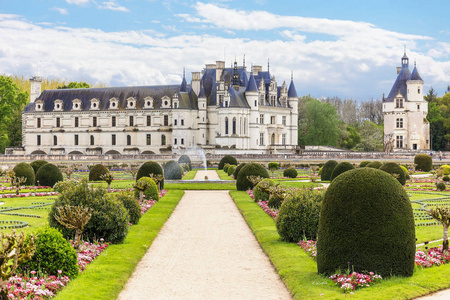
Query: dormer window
114, 103
58, 105
76, 104
131, 103
165, 102
148, 102
398, 103
39, 105
95, 104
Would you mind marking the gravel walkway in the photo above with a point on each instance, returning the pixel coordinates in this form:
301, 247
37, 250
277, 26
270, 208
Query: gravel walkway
205, 251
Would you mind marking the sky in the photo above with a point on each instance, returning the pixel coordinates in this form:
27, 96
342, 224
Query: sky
347, 48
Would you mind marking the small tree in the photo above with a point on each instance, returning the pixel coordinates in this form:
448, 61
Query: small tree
157, 179
17, 182
442, 215
132, 169
74, 217
273, 166
11, 174
108, 177
141, 186
68, 169
254, 179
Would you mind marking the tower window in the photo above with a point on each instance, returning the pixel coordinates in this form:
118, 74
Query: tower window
283, 120
113, 121
149, 139
55, 140
261, 139
92, 140
226, 125
75, 140
76, 121
399, 141
128, 140
261, 119
234, 125
94, 121
38, 140
418, 91
175, 141
131, 121
58, 122
166, 120
399, 123
163, 140
149, 120
38, 123
113, 139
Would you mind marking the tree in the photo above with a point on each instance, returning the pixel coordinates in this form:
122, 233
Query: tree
349, 137
442, 215
74, 217
75, 85
371, 137
372, 111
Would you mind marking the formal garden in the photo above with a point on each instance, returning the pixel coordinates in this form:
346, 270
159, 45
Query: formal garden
331, 230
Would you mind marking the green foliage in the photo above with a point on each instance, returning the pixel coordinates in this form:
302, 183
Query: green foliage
440, 186
75, 85
238, 169
446, 169
367, 224
423, 162
349, 137
97, 171
131, 205
446, 178
227, 159
298, 217
172, 170
405, 170
231, 169
341, 168
150, 167
25, 170
395, 170
225, 167
53, 253
184, 159
274, 201
374, 165
327, 170
261, 190
320, 171
48, 175
364, 163
290, 172
273, 166
371, 137
109, 217
242, 182
151, 192
37, 164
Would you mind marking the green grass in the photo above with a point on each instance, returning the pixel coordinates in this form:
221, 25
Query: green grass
223, 175
107, 275
299, 272
189, 175
200, 186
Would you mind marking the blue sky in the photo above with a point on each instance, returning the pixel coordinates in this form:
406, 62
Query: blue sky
347, 49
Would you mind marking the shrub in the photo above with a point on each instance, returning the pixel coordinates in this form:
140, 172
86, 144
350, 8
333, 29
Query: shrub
97, 171
290, 172
25, 170
374, 165
423, 162
364, 163
227, 159
327, 170
37, 164
405, 170
440, 186
299, 216
109, 217
184, 159
53, 253
341, 168
242, 182
150, 167
273, 166
395, 170
320, 171
446, 178
151, 192
274, 201
236, 172
225, 167
446, 169
48, 175
231, 170
261, 190
366, 222
172, 170
131, 205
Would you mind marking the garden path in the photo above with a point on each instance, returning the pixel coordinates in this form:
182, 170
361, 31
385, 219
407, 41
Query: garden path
212, 175
205, 251
442, 295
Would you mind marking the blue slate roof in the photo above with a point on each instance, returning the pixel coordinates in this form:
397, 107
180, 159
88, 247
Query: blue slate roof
237, 98
251, 86
202, 93
292, 92
400, 83
183, 86
415, 74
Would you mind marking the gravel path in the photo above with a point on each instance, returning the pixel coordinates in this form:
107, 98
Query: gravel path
205, 251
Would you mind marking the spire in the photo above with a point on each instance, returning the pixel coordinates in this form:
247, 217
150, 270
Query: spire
405, 60
236, 80
292, 93
268, 65
415, 74
202, 93
183, 86
243, 62
251, 86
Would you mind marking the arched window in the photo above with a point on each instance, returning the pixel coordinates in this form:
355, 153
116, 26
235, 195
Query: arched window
163, 140
272, 139
234, 125
128, 140
92, 140
55, 140
226, 125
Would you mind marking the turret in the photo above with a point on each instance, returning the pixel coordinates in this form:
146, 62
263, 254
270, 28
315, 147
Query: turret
251, 93
415, 86
292, 95
35, 88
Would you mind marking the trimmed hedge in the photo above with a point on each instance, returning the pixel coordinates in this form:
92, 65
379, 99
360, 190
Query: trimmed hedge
341, 168
440, 186
242, 183
423, 162
184, 159
225, 167
227, 159
150, 167
37, 164
231, 169
366, 223
327, 170
261, 190
238, 168
446, 169
364, 163
25, 170
290, 172
48, 175
405, 170
374, 165
131, 205
97, 171
151, 192
395, 170
173, 170
274, 201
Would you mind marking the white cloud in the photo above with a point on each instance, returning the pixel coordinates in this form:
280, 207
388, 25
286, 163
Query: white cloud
78, 2
113, 6
62, 11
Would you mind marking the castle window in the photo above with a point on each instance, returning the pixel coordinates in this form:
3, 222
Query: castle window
76, 104
273, 100
283, 139
245, 125
38, 123
58, 105
165, 102
148, 102
95, 103
113, 121
226, 125
58, 122
175, 141
113, 103
272, 139
272, 119
261, 139
182, 141
175, 122
182, 122
166, 120
256, 103
149, 120
163, 140
399, 123
149, 139
128, 140
76, 122
234, 125
94, 121
283, 120
131, 121
75, 141
38, 142
399, 141
418, 91
55, 140
113, 139
39, 105
92, 140
261, 119
131, 103
398, 103
418, 106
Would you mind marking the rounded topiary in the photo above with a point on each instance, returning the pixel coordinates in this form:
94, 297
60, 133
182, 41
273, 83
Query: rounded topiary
446, 178
341, 168
227, 159
132, 206
440, 186
261, 190
320, 171
374, 165
48, 175
446, 169
238, 169
37, 164
231, 169
273, 166
151, 192
405, 170
367, 224
395, 170
173, 170
225, 167
150, 167
290, 172
364, 163
327, 170
242, 182
184, 159
423, 162
97, 171
53, 252
274, 201
25, 170
298, 217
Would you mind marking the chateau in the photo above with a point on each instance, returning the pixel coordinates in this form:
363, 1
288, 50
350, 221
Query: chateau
405, 111
223, 110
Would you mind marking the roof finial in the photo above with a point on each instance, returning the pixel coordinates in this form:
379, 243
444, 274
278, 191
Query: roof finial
268, 65
292, 75
404, 49
414, 63
243, 62
184, 72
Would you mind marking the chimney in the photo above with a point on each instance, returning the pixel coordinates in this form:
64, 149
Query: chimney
398, 69
195, 84
220, 65
35, 88
256, 70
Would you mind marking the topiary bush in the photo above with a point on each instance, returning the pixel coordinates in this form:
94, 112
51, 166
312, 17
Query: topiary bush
395, 170
227, 159
405, 170
327, 170
366, 223
242, 182
236, 172
172, 170
374, 165
423, 162
274, 201
53, 253
225, 167
320, 171
25, 170
261, 190
131, 205
440, 186
341, 168
37, 164
109, 217
48, 175
364, 163
151, 192
184, 159
446, 169
290, 172
298, 216
150, 167
97, 171
446, 178
273, 166
231, 170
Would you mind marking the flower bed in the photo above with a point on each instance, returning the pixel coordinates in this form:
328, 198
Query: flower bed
353, 281
271, 212
431, 257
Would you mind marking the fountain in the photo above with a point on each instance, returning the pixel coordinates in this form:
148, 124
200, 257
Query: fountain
200, 153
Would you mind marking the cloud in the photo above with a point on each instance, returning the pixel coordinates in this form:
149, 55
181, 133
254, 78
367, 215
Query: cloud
78, 2
62, 11
113, 6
